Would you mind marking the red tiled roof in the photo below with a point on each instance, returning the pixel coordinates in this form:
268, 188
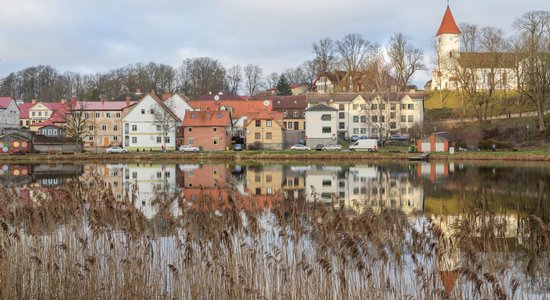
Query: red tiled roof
266, 115
238, 108
220, 97
5, 101
448, 24
103, 105
280, 102
207, 118
24, 110
54, 105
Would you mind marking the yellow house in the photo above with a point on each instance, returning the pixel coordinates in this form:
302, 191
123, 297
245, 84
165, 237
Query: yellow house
264, 180
265, 130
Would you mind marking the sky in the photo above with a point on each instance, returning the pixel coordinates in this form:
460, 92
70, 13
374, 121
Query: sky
89, 36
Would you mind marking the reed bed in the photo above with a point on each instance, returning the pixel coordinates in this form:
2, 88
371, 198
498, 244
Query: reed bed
78, 242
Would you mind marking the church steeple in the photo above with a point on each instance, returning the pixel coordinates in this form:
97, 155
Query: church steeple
448, 24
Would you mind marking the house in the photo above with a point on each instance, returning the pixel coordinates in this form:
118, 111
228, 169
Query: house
265, 130
321, 121
9, 113
15, 142
486, 70
42, 111
435, 142
150, 125
204, 187
55, 144
208, 130
57, 118
178, 103
102, 121
24, 120
51, 131
373, 114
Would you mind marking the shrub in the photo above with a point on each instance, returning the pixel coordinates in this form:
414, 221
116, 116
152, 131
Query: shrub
488, 144
255, 146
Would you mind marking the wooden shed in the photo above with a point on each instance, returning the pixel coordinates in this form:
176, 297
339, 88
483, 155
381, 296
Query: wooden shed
14, 143
435, 142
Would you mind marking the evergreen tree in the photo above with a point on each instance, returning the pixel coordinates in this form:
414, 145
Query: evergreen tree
283, 87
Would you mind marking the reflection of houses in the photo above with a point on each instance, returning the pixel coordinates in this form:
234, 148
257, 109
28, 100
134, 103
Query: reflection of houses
144, 183
293, 183
204, 187
435, 171
15, 175
263, 184
48, 175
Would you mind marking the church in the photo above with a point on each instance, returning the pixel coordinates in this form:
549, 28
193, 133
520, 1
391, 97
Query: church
456, 69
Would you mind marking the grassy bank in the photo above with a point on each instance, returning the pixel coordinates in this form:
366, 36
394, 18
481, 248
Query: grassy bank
393, 153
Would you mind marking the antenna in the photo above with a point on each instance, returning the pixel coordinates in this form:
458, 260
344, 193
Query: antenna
266, 103
217, 97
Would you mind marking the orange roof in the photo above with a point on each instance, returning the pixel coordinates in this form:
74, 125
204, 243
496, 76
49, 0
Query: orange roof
207, 118
266, 115
448, 24
238, 108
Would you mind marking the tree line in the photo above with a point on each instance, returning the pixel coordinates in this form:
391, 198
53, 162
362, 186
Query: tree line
352, 54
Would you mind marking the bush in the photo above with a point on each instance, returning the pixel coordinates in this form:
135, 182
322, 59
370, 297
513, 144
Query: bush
255, 146
488, 145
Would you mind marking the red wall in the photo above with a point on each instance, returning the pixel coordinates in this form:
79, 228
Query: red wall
203, 137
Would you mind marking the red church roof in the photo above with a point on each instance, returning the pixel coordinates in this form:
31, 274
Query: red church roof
448, 24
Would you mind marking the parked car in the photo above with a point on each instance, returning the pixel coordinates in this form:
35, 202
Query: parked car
238, 147
188, 148
364, 145
332, 147
319, 147
115, 149
300, 147
399, 138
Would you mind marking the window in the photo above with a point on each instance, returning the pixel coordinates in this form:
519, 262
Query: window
363, 130
355, 119
216, 141
215, 129
257, 136
296, 114
289, 125
258, 123
327, 182
269, 191
410, 118
86, 115
40, 114
341, 106
134, 140
296, 126
159, 139
268, 135
268, 178
167, 139
193, 116
285, 113
96, 115
190, 129
411, 106
118, 115
190, 141
374, 106
392, 115
91, 138
355, 130
219, 116
152, 111
363, 119
403, 106
325, 117
107, 115
91, 127
257, 178
115, 127
143, 111
268, 123
258, 191
392, 106
159, 128
134, 127
403, 118
341, 125
382, 105
103, 127
374, 119
382, 119
32, 113
327, 129
115, 138
341, 115
393, 125
159, 174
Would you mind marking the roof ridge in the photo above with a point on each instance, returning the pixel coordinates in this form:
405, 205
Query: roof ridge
448, 24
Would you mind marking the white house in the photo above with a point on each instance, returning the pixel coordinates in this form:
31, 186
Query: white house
9, 113
376, 115
150, 125
179, 104
321, 125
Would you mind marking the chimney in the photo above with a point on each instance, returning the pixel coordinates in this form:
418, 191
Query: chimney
127, 100
153, 92
63, 101
33, 101
138, 91
165, 96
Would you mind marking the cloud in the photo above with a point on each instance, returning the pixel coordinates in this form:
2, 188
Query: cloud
97, 35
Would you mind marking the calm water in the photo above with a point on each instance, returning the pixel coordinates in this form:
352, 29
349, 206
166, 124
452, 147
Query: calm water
434, 188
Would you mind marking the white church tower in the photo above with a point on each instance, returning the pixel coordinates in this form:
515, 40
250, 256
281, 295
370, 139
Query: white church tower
447, 46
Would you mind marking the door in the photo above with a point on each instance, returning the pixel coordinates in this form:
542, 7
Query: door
439, 147
105, 141
425, 147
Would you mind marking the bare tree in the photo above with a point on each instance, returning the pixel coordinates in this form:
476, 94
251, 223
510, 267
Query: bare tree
310, 73
234, 78
325, 57
271, 80
534, 40
253, 78
200, 76
404, 58
166, 121
353, 50
77, 120
470, 36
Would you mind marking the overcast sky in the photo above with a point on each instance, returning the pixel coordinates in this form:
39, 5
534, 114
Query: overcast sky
98, 35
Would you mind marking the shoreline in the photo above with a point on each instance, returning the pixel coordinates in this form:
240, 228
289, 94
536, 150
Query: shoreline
526, 155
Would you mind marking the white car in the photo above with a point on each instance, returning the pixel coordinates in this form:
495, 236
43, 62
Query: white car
188, 148
116, 149
333, 147
299, 147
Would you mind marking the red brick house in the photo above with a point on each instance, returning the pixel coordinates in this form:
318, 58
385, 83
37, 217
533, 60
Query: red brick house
208, 130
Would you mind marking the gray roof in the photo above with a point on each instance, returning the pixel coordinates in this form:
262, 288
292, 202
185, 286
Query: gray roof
321, 107
348, 97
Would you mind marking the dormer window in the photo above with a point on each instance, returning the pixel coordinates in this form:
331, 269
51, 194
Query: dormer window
219, 115
193, 116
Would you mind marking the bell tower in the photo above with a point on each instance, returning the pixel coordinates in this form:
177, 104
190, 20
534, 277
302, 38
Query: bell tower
447, 47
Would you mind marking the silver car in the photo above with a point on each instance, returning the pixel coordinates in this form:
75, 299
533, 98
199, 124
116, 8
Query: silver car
299, 147
116, 149
333, 147
188, 148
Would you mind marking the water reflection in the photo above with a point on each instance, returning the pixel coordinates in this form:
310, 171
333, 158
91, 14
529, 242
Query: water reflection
435, 188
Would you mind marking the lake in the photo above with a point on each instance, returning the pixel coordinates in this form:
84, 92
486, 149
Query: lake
429, 229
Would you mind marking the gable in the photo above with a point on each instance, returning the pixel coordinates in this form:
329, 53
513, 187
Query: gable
39, 106
359, 100
407, 100
147, 103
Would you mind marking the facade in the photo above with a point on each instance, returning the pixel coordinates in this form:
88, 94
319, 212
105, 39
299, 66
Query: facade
24, 121
51, 131
103, 120
321, 121
208, 130
42, 111
435, 142
9, 113
374, 115
178, 103
266, 130
149, 125
15, 142
457, 69
293, 110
